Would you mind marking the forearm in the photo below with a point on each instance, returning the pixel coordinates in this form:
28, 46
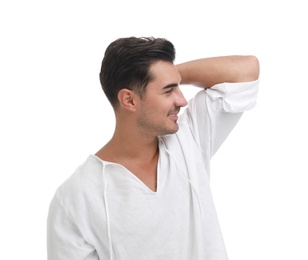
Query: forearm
207, 72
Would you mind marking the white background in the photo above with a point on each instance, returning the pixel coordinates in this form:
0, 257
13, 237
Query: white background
54, 113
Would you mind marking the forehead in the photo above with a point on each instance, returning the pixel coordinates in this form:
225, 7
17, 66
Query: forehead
164, 73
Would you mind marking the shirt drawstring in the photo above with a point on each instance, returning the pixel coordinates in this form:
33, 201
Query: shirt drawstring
187, 178
107, 214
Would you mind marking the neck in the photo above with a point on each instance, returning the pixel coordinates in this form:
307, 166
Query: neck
135, 150
129, 144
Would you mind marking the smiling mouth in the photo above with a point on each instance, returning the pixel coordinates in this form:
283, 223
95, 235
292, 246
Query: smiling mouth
174, 114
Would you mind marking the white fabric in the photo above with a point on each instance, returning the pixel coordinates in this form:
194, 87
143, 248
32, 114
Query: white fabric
103, 211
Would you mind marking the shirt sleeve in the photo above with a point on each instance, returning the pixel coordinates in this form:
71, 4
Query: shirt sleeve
213, 113
64, 240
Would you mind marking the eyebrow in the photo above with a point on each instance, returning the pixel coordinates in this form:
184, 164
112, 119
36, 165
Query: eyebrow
171, 85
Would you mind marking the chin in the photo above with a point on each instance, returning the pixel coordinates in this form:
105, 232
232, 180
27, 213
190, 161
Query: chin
171, 129
174, 130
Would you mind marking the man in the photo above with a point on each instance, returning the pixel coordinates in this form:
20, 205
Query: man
145, 195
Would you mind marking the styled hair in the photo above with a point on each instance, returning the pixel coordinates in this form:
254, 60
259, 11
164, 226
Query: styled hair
126, 64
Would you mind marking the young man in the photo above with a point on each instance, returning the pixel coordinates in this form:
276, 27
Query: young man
145, 195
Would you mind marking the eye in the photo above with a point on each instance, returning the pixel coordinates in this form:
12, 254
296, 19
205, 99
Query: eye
169, 91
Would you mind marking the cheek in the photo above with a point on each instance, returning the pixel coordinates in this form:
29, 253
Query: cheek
158, 106
155, 106
156, 112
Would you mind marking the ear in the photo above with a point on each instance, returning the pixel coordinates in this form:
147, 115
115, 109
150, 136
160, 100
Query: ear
127, 99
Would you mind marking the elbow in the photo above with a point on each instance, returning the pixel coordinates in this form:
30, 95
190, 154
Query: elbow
253, 68
247, 68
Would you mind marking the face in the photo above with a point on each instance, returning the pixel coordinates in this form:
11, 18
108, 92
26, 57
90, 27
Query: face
159, 107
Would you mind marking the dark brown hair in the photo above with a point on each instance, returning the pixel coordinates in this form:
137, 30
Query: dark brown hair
126, 64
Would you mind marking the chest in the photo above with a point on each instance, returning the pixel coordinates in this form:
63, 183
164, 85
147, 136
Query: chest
141, 218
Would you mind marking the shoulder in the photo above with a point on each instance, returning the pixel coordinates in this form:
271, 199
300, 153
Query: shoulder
86, 179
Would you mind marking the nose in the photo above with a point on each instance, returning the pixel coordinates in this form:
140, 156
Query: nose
180, 99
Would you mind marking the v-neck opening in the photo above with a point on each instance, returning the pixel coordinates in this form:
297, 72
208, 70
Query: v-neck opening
134, 176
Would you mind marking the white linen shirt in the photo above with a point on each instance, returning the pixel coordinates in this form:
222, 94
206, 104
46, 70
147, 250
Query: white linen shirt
103, 211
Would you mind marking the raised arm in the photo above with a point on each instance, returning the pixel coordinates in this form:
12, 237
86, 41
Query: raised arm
207, 72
